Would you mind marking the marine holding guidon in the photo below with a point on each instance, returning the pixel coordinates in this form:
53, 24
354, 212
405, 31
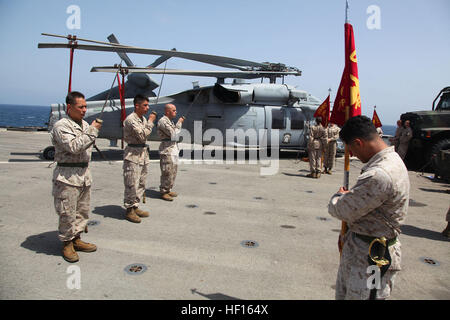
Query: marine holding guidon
374, 209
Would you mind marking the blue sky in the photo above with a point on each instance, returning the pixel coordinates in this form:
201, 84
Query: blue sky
402, 66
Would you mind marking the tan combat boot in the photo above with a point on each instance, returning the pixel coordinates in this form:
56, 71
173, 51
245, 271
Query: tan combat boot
311, 175
141, 213
80, 245
166, 196
329, 171
132, 216
69, 253
318, 174
173, 194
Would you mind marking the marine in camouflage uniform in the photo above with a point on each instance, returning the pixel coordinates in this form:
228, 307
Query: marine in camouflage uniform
73, 139
168, 151
136, 130
395, 141
375, 207
316, 144
405, 136
332, 134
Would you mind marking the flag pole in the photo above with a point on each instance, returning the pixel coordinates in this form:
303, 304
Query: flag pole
344, 226
346, 11
347, 158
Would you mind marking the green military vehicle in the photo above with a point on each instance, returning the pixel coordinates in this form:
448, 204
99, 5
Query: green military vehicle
430, 146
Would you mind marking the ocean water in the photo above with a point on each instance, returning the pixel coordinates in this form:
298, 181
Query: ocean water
23, 115
389, 129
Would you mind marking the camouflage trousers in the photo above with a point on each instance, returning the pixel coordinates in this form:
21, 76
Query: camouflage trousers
353, 274
330, 155
402, 150
134, 177
72, 206
314, 159
169, 167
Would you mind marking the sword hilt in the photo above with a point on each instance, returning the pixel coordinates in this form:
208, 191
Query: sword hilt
379, 259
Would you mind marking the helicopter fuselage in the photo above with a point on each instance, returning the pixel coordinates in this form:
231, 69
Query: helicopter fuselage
232, 115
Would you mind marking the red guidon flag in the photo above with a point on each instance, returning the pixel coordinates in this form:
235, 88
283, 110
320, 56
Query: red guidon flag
323, 111
348, 92
376, 121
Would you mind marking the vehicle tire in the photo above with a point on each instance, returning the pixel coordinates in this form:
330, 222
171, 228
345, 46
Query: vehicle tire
49, 153
439, 165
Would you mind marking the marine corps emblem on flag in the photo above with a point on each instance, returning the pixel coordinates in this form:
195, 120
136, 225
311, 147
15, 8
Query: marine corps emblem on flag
348, 92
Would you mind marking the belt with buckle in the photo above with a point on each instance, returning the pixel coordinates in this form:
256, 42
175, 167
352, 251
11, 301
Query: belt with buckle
137, 145
369, 239
73, 164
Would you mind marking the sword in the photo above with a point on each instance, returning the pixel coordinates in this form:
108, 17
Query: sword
380, 261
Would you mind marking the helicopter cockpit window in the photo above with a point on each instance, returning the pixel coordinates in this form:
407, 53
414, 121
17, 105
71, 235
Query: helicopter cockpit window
278, 121
297, 119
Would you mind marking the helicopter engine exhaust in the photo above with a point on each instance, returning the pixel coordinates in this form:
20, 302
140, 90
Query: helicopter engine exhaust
260, 94
271, 94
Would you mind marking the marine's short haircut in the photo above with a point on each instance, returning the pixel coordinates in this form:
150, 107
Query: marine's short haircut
318, 120
358, 127
139, 98
73, 96
168, 106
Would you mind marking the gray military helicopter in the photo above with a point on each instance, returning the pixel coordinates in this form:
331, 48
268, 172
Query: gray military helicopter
273, 113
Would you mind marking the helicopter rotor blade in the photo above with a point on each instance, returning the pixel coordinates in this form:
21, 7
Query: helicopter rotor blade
200, 57
160, 60
74, 38
112, 38
216, 74
142, 78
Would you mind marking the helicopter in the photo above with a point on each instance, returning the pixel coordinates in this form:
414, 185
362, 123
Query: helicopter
231, 114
